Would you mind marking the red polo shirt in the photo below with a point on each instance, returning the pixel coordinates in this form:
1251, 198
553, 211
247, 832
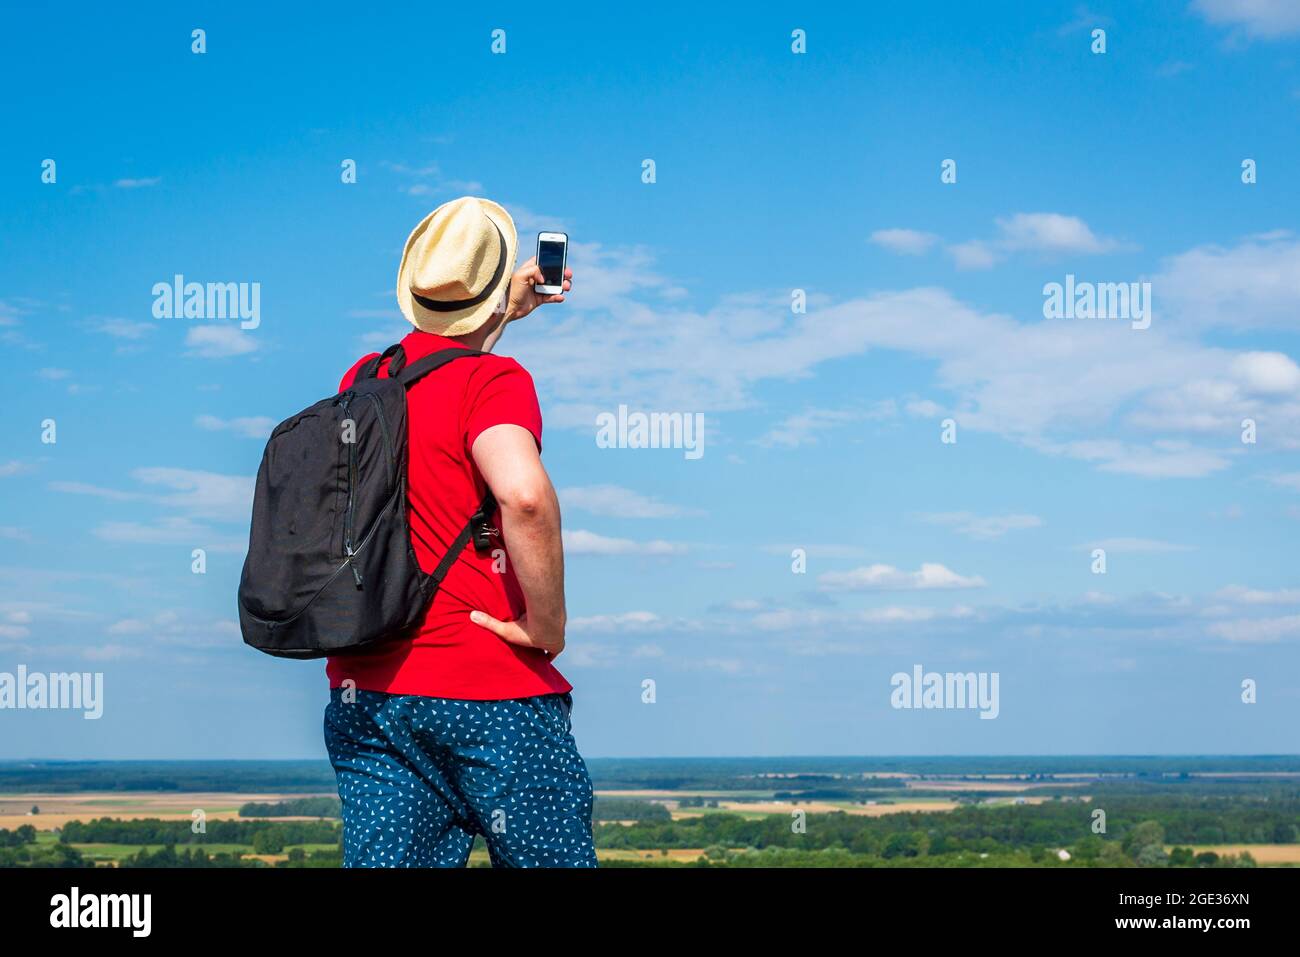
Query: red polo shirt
450, 656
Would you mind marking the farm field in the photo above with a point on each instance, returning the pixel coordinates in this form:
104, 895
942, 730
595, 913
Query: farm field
1266, 855
58, 809
766, 808
111, 854
727, 812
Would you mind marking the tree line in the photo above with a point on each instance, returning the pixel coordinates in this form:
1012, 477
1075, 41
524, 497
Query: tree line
155, 831
1129, 824
295, 807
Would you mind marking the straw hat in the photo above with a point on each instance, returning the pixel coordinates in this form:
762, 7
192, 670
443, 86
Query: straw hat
456, 266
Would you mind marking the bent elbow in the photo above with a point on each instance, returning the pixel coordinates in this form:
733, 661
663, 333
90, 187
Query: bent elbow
526, 501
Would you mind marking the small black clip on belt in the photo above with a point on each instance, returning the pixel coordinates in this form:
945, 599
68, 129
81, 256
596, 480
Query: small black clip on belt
482, 531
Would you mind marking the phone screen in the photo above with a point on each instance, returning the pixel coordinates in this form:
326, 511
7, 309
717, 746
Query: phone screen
550, 257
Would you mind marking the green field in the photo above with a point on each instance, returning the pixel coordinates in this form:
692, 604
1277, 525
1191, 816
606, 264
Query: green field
115, 852
772, 812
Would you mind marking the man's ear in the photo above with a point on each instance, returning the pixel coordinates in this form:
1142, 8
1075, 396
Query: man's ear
503, 300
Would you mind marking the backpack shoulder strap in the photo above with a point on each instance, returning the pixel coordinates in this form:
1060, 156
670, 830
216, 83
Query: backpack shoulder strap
409, 375
476, 530
370, 370
417, 370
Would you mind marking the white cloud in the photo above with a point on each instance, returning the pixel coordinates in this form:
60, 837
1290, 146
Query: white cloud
905, 242
983, 526
1063, 387
202, 494
973, 254
1266, 19
136, 626
14, 622
589, 654
110, 652
614, 501
213, 341
381, 339
164, 531
923, 408
1084, 19
405, 169
931, 575
123, 328
141, 183
1045, 233
580, 542
1252, 285
1051, 232
802, 427
1161, 459
428, 180
727, 666
790, 619
635, 621
98, 491
1249, 630
198, 494
175, 628
1256, 596
14, 467
448, 187
251, 427
529, 221
170, 530
610, 275
1266, 372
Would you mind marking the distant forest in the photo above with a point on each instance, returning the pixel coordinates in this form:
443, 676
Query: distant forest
733, 774
1136, 832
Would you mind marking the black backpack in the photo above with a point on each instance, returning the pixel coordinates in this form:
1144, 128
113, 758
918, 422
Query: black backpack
330, 567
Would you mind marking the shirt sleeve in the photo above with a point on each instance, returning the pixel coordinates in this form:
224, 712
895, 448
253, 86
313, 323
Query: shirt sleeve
504, 395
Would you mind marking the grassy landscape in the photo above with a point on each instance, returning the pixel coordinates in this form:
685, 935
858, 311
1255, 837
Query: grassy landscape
791, 812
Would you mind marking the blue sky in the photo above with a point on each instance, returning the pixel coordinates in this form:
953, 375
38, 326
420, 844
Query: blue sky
775, 172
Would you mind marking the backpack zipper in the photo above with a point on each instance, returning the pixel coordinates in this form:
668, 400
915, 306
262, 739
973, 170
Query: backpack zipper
383, 428
352, 482
281, 623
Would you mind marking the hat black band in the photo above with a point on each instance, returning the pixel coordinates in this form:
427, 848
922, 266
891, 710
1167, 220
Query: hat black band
435, 305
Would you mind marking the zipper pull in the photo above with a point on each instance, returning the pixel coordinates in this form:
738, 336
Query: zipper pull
356, 574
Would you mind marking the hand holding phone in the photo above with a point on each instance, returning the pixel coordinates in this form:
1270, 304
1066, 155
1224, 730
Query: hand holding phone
534, 284
552, 257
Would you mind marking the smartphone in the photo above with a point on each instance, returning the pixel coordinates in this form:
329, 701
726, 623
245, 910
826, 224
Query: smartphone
552, 256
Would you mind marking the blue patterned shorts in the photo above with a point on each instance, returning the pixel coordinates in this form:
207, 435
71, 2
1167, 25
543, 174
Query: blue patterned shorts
419, 777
